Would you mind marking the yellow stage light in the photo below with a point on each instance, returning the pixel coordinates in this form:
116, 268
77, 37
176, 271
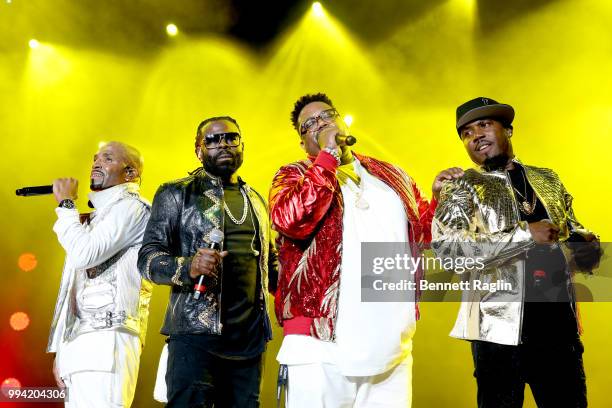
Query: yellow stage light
19, 321
172, 30
27, 262
10, 383
348, 119
33, 43
317, 9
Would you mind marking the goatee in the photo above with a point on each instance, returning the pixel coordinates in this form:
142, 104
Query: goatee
93, 186
498, 162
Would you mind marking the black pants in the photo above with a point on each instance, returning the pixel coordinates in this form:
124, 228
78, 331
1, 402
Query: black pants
196, 378
554, 373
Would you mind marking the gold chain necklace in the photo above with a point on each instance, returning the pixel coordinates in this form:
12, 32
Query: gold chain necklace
244, 211
526, 207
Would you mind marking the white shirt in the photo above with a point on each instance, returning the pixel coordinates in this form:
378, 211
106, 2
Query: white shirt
371, 338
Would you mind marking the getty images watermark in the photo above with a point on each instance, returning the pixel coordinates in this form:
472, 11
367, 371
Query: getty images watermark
473, 271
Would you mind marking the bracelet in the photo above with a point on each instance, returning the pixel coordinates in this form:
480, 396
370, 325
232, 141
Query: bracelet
334, 153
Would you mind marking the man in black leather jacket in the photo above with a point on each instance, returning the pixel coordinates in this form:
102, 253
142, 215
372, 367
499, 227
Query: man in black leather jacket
216, 341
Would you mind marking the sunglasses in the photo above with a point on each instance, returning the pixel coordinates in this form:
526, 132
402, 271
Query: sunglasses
213, 141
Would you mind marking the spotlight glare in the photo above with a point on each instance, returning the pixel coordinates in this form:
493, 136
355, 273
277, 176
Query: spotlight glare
19, 321
33, 43
317, 9
9, 383
348, 119
172, 30
27, 262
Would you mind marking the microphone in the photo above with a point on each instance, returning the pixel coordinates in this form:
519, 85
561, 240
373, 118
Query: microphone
216, 237
539, 278
349, 140
34, 191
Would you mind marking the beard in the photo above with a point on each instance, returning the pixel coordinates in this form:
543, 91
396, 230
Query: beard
225, 169
497, 162
96, 185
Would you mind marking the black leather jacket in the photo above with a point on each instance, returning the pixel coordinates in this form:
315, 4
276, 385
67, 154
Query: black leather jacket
184, 213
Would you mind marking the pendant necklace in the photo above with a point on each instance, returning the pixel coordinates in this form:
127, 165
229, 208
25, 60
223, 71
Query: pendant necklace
525, 206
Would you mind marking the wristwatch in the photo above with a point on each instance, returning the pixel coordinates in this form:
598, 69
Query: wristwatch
67, 203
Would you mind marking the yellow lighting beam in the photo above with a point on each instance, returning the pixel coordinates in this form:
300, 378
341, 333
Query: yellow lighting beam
317, 9
33, 43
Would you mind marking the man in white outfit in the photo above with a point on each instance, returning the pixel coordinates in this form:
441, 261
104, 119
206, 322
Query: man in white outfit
100, 317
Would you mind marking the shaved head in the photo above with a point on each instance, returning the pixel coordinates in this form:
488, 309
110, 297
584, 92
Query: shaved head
115, 163
131, 156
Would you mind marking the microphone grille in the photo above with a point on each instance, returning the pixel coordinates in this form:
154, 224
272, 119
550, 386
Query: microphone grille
216, 236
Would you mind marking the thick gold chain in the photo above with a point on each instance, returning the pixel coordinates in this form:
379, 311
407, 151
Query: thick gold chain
244, 211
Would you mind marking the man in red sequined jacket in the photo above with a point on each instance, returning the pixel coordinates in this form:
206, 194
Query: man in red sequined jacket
323, 208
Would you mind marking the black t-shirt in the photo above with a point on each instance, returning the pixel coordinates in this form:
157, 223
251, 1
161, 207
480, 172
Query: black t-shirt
548, 314
241, 307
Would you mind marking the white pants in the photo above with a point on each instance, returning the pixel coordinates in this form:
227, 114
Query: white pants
101, 388
321, 385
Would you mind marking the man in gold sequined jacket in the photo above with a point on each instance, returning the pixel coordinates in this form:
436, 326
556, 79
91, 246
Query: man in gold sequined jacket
518, 220
216, 338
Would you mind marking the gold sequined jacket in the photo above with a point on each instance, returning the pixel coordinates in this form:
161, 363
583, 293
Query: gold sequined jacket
478, 216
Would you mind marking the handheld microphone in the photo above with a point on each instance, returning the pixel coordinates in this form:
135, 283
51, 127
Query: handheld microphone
216, 237
34, 191
349, 140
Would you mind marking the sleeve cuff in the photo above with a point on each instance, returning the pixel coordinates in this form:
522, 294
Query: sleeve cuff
327, 161
66, 212
65, 218
181, 275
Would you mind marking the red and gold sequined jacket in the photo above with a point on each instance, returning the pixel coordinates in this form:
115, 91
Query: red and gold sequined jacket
306, 209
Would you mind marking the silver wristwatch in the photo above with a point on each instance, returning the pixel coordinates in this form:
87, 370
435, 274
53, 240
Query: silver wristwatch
67, 203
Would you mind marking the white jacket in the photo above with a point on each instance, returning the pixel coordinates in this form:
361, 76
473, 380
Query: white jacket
101, 288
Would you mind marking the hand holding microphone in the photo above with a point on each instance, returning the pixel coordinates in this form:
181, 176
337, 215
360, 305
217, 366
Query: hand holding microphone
65, 189
206, 261
331, 137
62, 189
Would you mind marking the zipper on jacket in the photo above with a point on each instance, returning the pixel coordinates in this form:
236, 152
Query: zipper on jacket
518, 217
220, 277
